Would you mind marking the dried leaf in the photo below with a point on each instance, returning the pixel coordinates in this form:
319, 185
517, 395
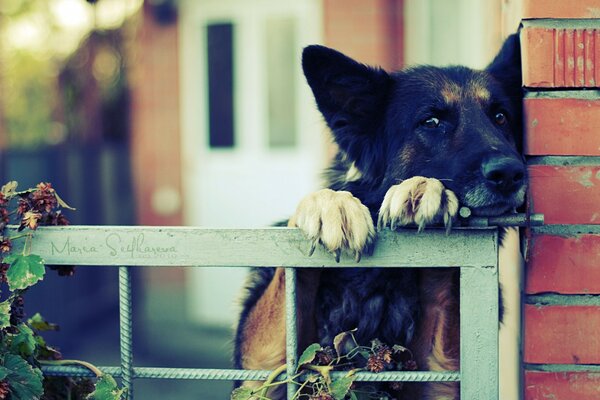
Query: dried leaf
62, 203
9, 190
397, 349
344, 342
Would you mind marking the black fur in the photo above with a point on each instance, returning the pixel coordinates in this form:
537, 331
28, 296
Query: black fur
375, 117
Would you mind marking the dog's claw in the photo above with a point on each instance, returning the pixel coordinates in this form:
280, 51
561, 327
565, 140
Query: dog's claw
313, 246
337, 254
357, 256
448, 223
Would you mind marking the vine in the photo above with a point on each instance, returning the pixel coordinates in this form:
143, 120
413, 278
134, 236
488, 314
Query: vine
314, 379
23, 350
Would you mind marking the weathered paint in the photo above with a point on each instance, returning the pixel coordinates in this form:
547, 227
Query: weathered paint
479, 343
179, 246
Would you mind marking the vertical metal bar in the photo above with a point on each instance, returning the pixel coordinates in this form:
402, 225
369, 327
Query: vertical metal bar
479, 332
291, 329
126, 339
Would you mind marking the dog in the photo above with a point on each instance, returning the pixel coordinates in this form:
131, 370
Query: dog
414, 145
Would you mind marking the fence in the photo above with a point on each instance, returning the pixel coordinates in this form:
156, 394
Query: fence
473, 249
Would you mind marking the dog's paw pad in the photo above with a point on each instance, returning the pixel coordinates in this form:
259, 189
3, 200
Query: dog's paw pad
418, 201
337, 220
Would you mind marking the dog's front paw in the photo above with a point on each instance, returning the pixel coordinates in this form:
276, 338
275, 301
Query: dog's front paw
418, 201
337, 220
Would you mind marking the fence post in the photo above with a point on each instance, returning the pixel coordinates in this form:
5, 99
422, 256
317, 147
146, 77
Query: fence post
479, 342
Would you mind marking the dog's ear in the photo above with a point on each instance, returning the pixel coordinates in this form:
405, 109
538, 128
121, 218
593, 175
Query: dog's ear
506, 67
351, 96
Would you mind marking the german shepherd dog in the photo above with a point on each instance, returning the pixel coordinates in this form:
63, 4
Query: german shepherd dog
414, 145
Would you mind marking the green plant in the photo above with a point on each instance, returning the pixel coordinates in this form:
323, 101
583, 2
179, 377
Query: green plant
23, 350
314, 379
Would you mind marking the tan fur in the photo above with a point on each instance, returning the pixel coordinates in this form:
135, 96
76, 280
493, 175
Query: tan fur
353, 173
452, 93
264, 330
437, 341
478, 91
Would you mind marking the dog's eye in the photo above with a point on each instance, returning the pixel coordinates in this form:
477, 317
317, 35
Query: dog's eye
431, 123
500, 118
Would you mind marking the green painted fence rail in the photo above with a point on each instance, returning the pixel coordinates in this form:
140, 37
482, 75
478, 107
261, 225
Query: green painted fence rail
474, 250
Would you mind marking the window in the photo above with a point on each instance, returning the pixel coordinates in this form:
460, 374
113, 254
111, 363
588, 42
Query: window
219, 51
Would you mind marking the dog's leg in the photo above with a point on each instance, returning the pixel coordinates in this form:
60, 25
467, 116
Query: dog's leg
419, 201
437, 342
338, 221
423, 201
264, 334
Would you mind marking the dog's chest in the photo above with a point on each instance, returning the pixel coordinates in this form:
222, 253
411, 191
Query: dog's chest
377, 302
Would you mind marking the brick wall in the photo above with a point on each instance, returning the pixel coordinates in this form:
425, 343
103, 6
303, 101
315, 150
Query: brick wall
561, 71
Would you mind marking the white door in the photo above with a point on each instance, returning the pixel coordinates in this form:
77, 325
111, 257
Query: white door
253, 143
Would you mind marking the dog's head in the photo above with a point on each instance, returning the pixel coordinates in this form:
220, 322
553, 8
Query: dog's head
455, 124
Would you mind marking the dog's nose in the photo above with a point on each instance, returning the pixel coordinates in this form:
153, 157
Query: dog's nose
505, 173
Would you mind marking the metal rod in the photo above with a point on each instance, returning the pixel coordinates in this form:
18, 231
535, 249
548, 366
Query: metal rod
291, 329
248, 375
502, 220
126, 338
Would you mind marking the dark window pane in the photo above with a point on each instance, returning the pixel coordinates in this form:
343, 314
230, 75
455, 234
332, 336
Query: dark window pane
220, 84
282, 62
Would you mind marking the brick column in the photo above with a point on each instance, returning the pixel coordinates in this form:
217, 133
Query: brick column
561, 71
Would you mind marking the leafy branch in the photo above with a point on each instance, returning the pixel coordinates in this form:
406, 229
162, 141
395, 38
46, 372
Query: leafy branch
23, 350
315, 365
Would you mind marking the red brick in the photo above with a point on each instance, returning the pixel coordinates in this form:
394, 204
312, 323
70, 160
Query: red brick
567, 265
562, 385
562, 126
561, 335
561, 9
560, 57
566, 194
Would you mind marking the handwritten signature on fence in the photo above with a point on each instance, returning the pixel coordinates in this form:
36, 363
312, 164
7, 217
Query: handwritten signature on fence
114, 245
